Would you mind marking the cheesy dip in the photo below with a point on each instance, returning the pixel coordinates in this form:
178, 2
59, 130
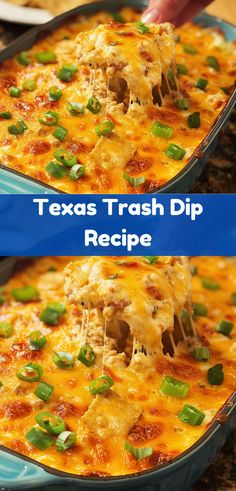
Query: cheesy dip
109, 104
84, 390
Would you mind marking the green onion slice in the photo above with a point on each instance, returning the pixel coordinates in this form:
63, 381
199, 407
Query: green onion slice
101, 384
32, 372
215, 375
190, 50
87, 355
181, 69
201, 83
75, 108
63, 360
25, 294
5, 115
14, 92
201, 354
134, 181
66, 439
182, 103
60, 133
2, 297
104, 128
44, 391
50, 118
77, 171
117, 17
191, 415
233, 298
48, 421
46, 57
52, 314
93, 105
37, 340
6, 330
162, 130
56, 170
194, 120
18, 128
29, 85
150, 259
66, 72
23, 58
200, 309
173, 387
55, 93
225, 327
210, 284
213, 63
142, 28
138, 453
39, 438
193, 269
175, 152
65, 157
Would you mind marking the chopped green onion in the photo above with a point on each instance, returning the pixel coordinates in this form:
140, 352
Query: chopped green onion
18, 128
194, 120
63, 360
209, 284
55, 93
23, 58
201, 83
52, 269
29, 84
77, 171
39, 438
56, 170
175, 152
173, 387
193, 269
134, 181
104, 128
150, 259
44, 391
25, 294
184, 315
5, 330
162, 130
200, 309
46, 57
14, 92
233, 298
182, 103
60, 133
52, 314
225, 327
75, 108
37, 340
216, 375
93, 105
181, 69
5, 115
117, 17
201, 354
1, 385
2, 297
191, 415
101, 384
32, 372
226, 90
66, 439
142, 28
177, 38
65, 157
213, 63
48, 421
50, 118
190, 50
138, 453
86, 355
66, 72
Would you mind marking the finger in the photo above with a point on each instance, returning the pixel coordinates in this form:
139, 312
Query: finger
163, 10
193, 9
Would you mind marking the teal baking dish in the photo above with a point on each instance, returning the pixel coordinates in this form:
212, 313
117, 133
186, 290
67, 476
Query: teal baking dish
18, 472
14, 182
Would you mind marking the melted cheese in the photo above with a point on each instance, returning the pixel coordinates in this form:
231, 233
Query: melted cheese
142, 154
158, 426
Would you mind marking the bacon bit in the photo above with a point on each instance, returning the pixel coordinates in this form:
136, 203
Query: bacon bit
5, 359
17, 446
15, 409
147, 56
100, 453
150, 186
119, 304
137, 165
114, 25
38, 147
78, 147
165, 117
43, 101
156, 411
113, 375
219, 104
64, 409
22, 350
25, 107
156, 459
141, 433
7, 82
154, 292
175, 369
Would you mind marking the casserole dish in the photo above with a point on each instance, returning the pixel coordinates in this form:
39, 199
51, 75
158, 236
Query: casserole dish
180, 473
183, 180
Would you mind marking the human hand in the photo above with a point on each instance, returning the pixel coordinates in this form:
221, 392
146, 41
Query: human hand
175, 11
